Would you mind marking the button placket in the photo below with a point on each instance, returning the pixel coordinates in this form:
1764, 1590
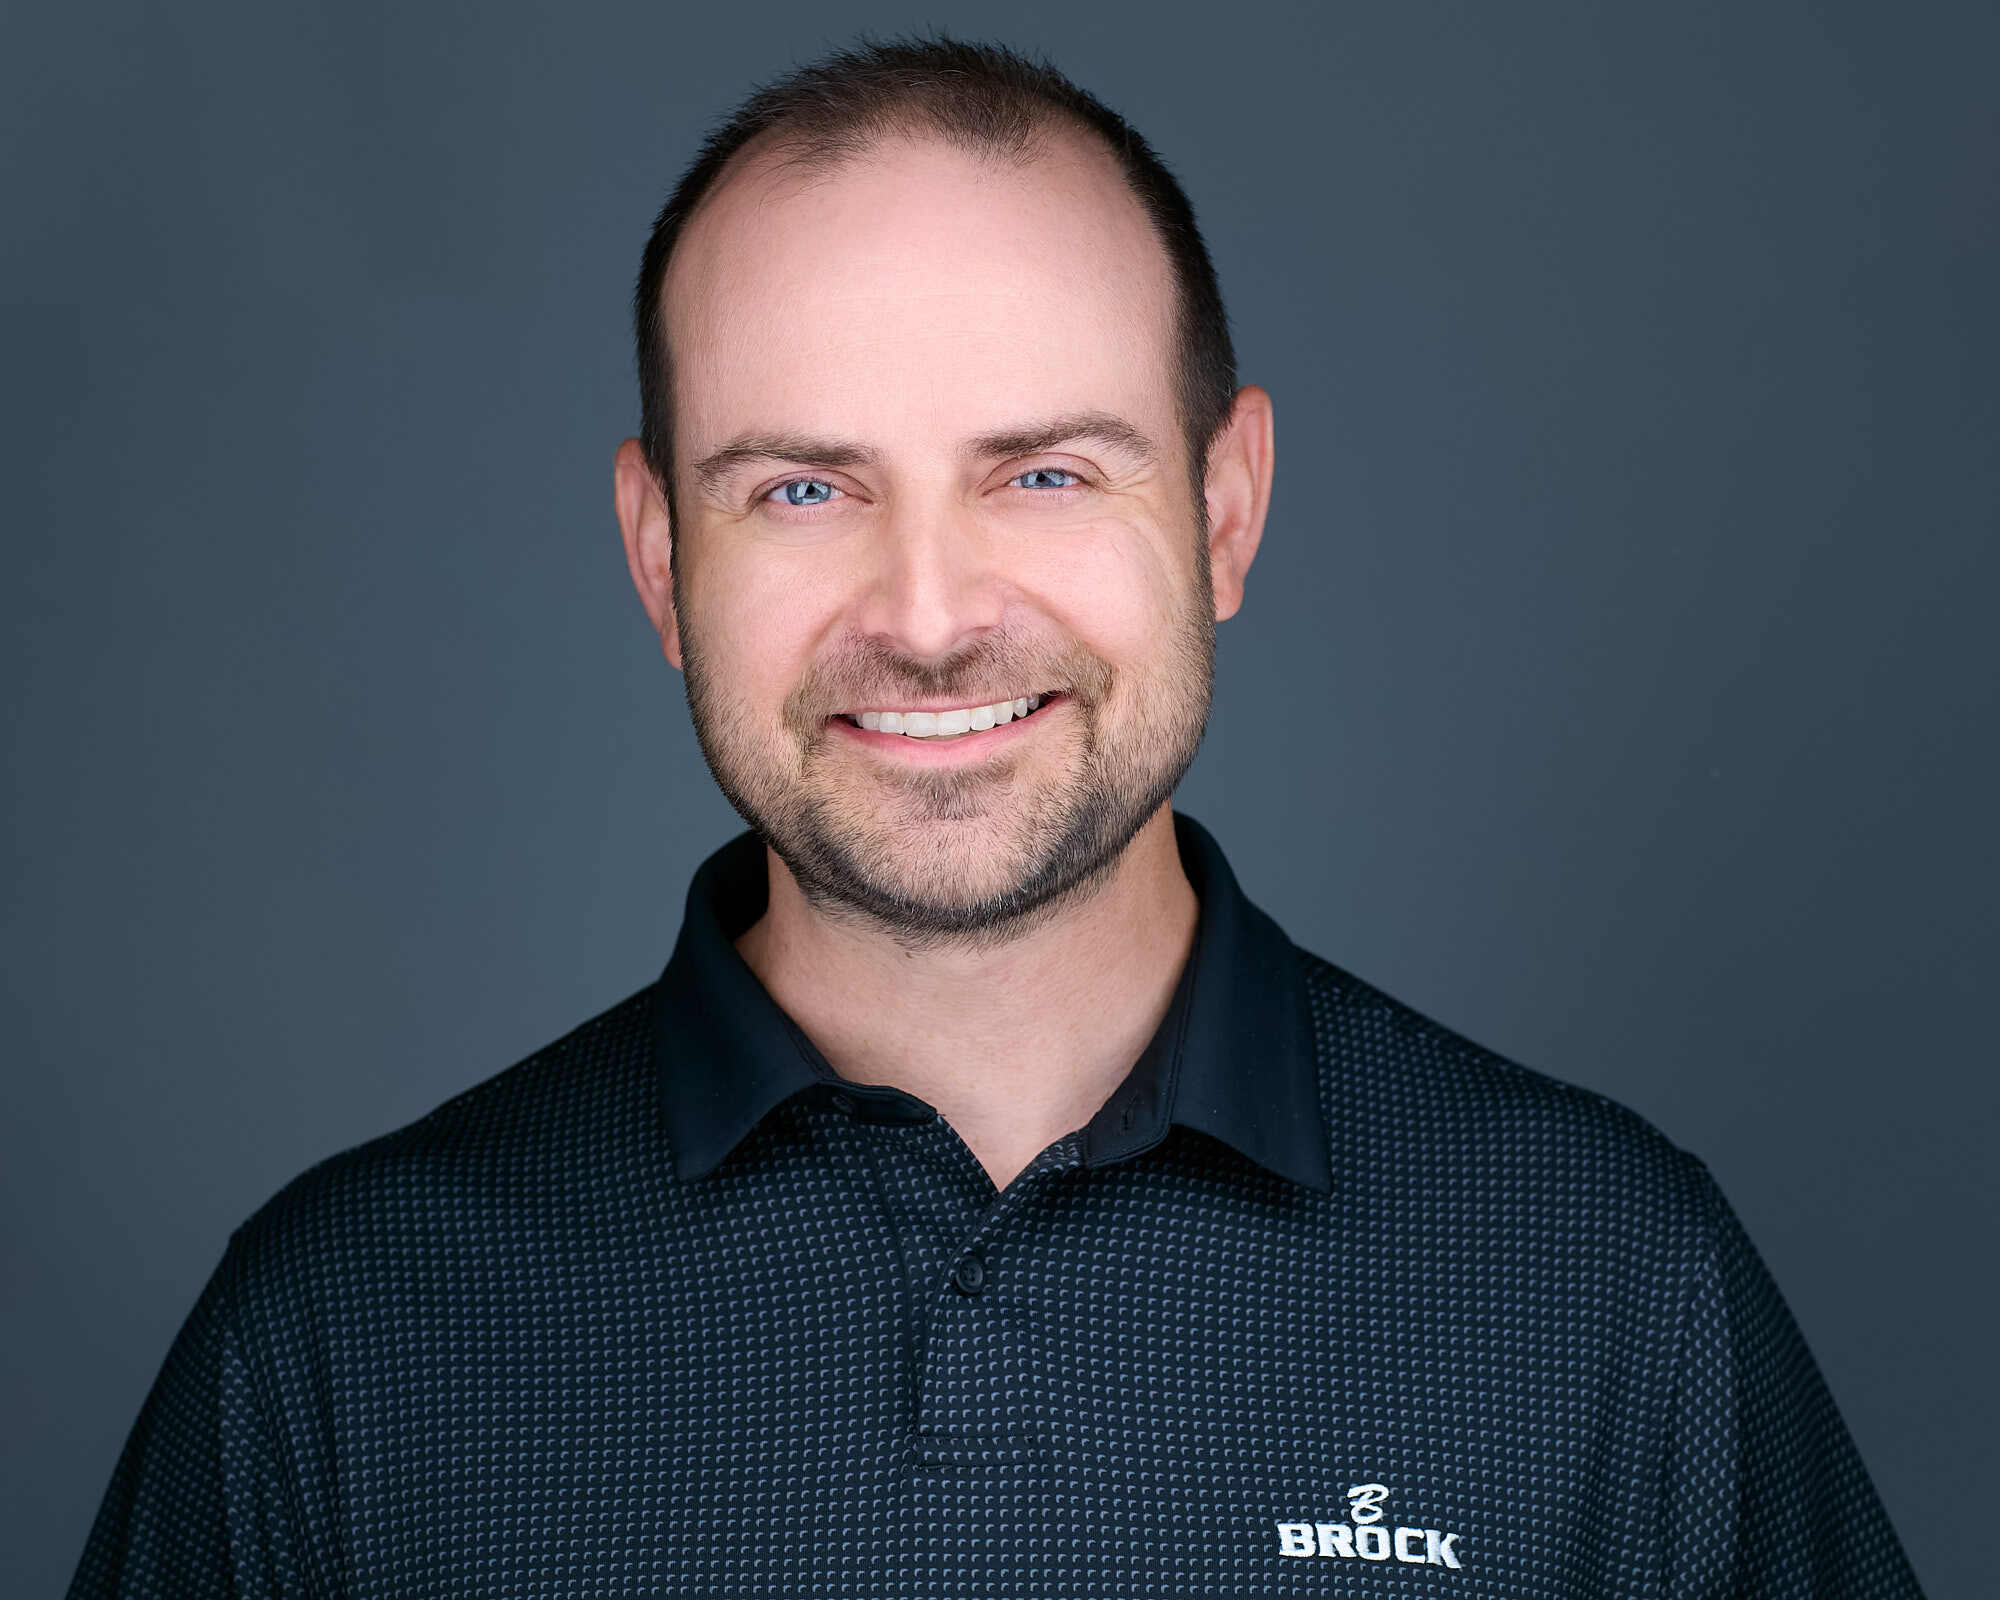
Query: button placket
974, 1405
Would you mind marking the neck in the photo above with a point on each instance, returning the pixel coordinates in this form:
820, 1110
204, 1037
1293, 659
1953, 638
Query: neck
1015, 1045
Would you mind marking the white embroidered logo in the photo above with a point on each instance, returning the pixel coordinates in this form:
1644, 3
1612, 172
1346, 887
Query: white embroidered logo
1362, 1537
1364, 1502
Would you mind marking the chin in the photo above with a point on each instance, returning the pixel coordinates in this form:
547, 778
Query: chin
980, 882
955, 879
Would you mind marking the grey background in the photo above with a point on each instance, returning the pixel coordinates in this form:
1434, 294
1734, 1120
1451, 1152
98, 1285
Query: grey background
1615, 684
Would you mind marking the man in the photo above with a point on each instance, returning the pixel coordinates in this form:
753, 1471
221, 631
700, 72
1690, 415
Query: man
987, 1198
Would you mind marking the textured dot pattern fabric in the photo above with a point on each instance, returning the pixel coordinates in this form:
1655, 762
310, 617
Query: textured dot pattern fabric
1455, 1328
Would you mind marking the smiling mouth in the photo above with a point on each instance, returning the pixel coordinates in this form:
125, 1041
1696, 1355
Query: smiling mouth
949, 724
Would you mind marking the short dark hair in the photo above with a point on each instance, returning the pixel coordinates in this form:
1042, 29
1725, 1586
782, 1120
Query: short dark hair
982, 97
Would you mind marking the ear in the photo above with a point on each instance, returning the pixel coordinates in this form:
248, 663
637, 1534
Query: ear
649, 541
1238, 494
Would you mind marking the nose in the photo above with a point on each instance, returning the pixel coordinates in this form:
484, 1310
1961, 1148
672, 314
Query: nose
934, 588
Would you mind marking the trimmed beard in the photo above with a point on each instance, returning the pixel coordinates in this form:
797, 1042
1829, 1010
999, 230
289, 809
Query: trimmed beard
1063, 844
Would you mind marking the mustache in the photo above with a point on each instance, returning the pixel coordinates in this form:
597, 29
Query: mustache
859, 673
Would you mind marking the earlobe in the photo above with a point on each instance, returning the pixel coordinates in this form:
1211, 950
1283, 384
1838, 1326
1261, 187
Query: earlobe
647, 530
1238, 494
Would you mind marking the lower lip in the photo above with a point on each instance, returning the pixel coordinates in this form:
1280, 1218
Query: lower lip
949, 752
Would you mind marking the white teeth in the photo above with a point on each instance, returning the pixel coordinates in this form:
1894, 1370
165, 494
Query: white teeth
947, 724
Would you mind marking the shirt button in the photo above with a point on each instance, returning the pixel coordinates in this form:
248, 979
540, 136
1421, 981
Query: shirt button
844, 1104
970, 1277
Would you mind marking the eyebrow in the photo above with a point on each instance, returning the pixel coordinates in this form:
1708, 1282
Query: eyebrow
1101, 427
713, 469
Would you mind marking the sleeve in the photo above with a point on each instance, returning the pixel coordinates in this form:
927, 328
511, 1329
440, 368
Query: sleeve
199, 1502
1768, 1497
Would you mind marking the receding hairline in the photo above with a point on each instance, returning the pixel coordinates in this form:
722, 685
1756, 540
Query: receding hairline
799, 155
979, 97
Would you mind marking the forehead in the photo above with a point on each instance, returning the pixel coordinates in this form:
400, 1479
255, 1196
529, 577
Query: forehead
917, 292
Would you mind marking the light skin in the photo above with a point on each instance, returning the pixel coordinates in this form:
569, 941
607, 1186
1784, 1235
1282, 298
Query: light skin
965, 368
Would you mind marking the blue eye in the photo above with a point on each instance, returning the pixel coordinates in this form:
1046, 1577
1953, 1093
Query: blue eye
1049, 472
805, 492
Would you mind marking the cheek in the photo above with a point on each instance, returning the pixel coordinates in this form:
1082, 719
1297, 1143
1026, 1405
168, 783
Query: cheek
757, 623
1114, 586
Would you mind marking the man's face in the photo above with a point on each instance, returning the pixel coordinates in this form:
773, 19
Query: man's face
929, 466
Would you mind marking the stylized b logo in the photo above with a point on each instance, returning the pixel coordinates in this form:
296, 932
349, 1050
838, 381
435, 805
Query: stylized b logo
1364, 1502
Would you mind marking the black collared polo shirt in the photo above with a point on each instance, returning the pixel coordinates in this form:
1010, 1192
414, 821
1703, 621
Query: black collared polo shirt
1324, 1300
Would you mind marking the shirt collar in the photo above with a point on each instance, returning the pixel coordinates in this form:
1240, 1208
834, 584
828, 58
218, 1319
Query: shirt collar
1233, 1057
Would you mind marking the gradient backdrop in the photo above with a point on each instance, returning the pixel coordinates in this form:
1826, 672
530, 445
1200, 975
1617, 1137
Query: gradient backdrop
1616, 685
